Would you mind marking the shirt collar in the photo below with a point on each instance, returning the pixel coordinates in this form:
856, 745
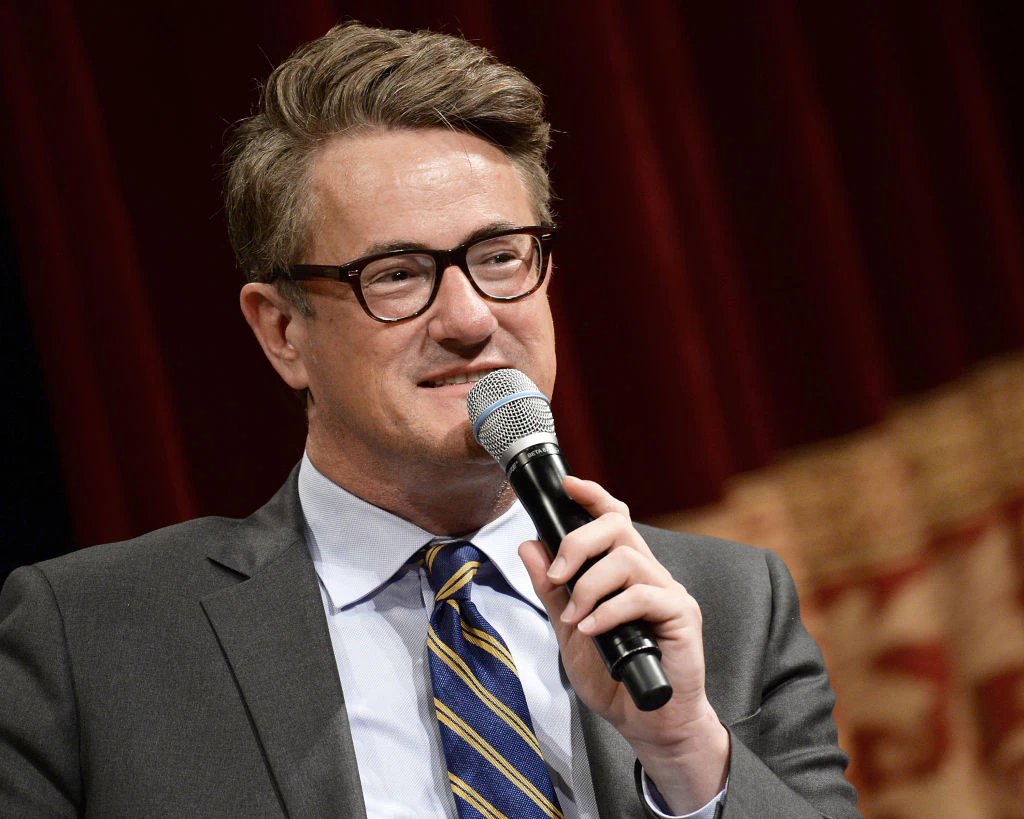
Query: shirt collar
358, 547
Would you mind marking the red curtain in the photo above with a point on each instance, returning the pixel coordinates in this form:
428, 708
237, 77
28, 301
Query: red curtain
777, 218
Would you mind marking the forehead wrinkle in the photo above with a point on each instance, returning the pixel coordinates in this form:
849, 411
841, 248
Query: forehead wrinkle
434, 169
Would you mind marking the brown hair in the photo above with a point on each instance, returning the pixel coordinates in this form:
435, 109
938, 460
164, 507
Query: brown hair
353, 79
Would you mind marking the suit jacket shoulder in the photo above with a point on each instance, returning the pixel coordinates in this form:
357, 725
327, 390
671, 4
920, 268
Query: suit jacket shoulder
186, 671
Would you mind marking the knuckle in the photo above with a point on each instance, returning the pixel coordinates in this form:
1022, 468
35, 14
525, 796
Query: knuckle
649, 594
692, 608
571, 545
617, 519
568, 540
621, 550
583, 591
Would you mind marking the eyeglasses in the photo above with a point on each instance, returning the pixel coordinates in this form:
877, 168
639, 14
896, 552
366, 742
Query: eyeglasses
506, 265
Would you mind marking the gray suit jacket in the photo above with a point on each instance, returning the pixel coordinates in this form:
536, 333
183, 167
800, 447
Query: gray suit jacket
189, 672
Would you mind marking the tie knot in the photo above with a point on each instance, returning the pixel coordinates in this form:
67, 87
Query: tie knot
450, 568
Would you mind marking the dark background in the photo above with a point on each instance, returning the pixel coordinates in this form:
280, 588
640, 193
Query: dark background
777, 218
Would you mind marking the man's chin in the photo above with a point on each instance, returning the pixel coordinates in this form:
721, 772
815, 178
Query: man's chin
470, 451
458, 447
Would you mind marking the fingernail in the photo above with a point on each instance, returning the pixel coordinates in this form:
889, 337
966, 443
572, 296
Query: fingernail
587, 624
568, 612
556, 568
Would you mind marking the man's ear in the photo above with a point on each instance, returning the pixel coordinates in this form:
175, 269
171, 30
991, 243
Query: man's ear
280, 329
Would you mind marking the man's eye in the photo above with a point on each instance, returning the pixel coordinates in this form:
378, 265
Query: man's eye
394, 277
504, 257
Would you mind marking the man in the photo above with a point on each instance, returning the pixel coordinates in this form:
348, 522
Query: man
279, 664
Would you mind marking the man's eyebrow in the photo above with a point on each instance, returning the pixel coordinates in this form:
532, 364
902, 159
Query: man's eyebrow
404, 244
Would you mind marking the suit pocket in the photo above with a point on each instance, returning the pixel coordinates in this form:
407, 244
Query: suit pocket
747, 730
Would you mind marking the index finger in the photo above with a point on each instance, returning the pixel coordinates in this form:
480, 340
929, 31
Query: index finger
593, 497
599, 501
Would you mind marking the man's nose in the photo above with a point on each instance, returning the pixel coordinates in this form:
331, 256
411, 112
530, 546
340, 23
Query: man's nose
459, 313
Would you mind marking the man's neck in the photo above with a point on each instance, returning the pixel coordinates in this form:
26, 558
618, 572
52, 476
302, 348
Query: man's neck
443, 499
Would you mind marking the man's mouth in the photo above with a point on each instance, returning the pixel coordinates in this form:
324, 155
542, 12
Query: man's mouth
458, 378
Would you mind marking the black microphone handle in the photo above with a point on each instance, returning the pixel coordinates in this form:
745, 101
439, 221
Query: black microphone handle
629, 651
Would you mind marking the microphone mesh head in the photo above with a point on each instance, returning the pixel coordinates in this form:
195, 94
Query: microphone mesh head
525, 411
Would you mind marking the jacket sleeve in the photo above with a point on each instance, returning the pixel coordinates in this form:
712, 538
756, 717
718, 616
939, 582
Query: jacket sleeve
785, 759
39, 742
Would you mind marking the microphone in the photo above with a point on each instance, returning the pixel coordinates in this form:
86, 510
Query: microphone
512, 421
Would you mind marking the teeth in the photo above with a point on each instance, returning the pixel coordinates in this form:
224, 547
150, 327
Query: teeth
461, 378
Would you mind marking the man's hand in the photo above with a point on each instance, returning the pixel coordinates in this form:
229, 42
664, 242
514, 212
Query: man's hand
683, 747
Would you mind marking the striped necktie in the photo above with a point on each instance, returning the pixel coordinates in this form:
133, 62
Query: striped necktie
494, 761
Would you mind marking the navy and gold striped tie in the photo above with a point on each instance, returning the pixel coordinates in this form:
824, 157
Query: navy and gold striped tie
494, 761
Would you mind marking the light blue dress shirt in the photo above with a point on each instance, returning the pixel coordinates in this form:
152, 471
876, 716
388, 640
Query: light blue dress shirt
378, 606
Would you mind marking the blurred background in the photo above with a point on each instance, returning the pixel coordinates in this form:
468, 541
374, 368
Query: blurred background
789, 295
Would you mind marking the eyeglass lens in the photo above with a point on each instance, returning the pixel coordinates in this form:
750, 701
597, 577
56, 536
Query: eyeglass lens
502, 267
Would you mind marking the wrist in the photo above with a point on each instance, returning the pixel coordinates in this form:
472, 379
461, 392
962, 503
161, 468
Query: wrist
691, 769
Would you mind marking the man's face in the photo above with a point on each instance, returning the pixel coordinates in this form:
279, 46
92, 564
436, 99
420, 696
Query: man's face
388, 396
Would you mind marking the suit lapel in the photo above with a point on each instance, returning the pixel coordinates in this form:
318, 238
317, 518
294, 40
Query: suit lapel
274, 635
